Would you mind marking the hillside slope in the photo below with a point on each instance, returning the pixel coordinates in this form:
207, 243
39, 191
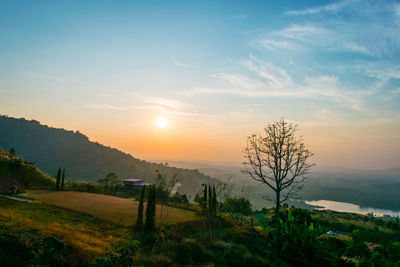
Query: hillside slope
15, 171
51, 148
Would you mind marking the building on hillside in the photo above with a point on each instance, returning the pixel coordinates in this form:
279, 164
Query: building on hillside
133, 183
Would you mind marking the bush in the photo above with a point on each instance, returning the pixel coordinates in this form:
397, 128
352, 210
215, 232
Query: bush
189, 251
237, 205
124, 253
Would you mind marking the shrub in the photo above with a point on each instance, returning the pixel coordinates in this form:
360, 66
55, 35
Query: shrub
189, 251
237, 205
124, 253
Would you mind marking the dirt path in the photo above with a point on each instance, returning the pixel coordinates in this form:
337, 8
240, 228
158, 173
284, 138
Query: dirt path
17, 199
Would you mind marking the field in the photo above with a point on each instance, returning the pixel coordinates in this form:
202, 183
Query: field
26, 228
114, 209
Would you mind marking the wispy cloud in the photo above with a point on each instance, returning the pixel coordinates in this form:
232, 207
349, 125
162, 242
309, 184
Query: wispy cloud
240, 16
333, 7
357, 48
165, 102
183, 65
107, 107
276, 77
276, 82
300, 32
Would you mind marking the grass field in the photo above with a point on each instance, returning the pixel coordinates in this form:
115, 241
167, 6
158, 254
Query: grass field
114, 209
86, 237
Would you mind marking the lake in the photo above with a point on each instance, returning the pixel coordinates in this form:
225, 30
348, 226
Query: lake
348, 207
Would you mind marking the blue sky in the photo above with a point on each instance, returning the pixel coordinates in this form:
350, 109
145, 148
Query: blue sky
218, 70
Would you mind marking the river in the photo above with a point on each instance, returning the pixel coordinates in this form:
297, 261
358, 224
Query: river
351, 208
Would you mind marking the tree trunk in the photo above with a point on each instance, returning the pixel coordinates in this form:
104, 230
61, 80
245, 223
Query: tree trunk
277, 222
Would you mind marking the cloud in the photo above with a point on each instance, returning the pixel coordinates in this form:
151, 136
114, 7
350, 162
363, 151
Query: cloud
107, 107
276, 82
300, 32
276, 44
182, 65
240, 16
276, 77
332, 8
357, 48
165, 102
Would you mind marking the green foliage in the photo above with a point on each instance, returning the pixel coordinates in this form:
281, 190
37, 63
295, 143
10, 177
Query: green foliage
233, 254
164, 187
110, 182
139, 220
299, 244
357, 249
237, 205
123, 253
179, 200
189, 252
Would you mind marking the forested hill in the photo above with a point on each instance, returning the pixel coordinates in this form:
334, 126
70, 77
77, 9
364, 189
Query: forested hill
52, 148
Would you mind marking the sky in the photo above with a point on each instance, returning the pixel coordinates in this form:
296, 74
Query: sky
216, 71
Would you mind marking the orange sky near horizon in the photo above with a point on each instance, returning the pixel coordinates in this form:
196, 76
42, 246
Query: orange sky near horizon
346, 145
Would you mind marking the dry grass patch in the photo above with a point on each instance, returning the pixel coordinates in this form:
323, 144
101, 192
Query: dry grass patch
115, 209
85, 237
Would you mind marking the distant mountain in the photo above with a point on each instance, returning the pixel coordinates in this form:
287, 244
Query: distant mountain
52, 148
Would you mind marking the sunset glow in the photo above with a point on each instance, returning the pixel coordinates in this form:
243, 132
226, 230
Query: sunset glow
109, 70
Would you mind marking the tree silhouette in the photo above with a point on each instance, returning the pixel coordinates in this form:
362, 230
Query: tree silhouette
63, 179
204, 200
12, 153
58, 179
151, 210
210, 208
139, 220
279, 160
214, 202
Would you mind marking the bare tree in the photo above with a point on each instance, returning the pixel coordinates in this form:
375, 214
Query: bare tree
279, 160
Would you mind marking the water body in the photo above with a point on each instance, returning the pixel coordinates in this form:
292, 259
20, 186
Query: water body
351, 208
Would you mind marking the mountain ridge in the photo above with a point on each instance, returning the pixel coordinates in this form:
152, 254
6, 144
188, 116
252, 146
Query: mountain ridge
51, 148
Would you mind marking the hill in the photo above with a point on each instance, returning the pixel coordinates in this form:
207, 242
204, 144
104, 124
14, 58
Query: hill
15, 171
51, 148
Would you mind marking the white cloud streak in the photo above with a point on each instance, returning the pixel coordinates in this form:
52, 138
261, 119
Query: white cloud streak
183, 65
276, 82
332, 8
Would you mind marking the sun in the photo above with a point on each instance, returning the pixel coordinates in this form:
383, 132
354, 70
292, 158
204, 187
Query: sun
162, 122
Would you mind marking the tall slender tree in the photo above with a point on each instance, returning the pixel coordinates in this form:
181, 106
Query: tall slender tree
58, 179
151, 210
204, 201
209, 200
63, 179
214, 201
139, 220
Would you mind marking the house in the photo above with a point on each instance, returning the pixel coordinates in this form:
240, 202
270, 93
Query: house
133, 183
